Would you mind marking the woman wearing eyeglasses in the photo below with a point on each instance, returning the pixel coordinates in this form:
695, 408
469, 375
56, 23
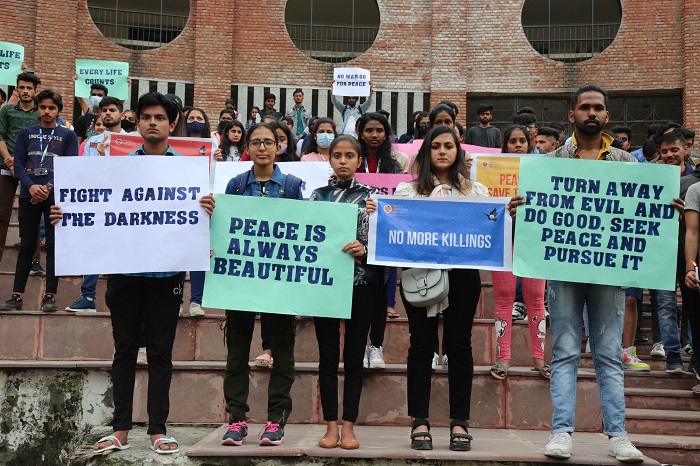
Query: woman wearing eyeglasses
265, 180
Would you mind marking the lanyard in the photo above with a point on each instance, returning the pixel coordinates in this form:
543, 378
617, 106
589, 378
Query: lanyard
41, 144
379, 164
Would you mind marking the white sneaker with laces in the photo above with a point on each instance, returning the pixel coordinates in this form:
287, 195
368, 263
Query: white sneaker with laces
376, 357
196, 310
623, 450
559, 446
588, 345
142, 357
365, 360
658, 350
434, 364
444, 361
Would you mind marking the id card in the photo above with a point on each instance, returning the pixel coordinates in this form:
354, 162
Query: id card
41, 171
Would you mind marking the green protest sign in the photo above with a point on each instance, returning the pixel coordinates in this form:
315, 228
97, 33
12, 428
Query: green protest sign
281, 256
112, 74
598, 222
11, 58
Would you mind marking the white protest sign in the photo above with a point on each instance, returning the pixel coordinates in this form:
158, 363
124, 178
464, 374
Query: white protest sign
351, 82
313, 174
131, 214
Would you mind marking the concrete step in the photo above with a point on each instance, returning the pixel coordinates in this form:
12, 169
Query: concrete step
385, 446
674, 400
521, 401
64, 335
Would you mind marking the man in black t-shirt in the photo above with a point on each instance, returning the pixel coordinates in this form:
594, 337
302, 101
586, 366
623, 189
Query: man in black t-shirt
484, 134
85, 125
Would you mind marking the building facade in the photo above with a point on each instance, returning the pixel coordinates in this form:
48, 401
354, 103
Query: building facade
510, 52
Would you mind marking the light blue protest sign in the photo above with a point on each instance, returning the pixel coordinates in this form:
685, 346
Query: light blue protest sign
112, 74
11, 58
441, 233
594, 221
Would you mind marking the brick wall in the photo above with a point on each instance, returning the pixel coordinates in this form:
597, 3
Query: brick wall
449, 48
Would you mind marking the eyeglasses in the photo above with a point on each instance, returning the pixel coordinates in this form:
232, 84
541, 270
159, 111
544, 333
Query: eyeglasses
268, 143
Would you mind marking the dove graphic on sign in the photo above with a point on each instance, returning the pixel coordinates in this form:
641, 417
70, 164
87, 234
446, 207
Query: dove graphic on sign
493, 215
202, 150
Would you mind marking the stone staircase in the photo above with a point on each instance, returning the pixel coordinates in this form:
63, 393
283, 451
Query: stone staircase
40, 348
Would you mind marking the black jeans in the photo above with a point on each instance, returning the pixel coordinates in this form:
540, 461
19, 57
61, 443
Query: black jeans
239, 333
266, 330
378, 324
131, 301
465, 288
29, 220
364, 299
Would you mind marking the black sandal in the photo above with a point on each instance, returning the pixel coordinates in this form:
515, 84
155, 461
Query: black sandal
421, 444
465, 440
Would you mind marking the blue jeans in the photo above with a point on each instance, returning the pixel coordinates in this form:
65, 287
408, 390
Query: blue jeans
196, 286
606, 314
89, 287
668, 322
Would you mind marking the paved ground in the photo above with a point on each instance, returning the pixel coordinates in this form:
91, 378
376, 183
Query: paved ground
379, 446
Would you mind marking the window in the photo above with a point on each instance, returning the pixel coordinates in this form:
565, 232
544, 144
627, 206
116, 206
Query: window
571, 31
635, 112
332, 31
140, 25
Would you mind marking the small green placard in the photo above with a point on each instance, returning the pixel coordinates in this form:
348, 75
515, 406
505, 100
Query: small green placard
11, 58
111, 74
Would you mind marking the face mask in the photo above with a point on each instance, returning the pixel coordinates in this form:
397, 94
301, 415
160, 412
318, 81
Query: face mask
323, 140
283, 149
194, 127
128, 126
95, 101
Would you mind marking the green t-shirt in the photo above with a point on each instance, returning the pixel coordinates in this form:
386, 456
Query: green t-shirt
12, 119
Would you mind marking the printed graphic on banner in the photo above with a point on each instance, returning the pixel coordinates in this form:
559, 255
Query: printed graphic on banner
351, 82
281, 256
313, 174
593, 221
11, 58
111, 74
125, 144
498, 172
131, 214
385, 182
441, 233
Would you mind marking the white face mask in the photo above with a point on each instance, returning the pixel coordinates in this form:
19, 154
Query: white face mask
95, 101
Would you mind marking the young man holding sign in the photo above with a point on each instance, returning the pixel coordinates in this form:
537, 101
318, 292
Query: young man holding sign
606, 304
153, 297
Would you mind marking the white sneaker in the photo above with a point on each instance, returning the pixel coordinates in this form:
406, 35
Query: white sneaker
519, 311
180, 311
658, 350
196, 310
376, 357
623, 450
434, 364
588, 346
444, 361
559, 446
365, 360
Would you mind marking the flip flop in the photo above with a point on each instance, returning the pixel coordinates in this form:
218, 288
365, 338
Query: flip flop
392, 314
545, 371
696, 390
264, 360
115, 446
164, 441
499, 371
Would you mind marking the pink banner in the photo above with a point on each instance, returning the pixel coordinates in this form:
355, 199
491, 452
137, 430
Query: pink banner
385, 182
125, 144
413, 147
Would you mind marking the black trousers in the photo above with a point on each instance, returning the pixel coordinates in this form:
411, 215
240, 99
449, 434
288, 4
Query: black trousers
378, 324
364, 299
156, 302
239, 333
266, 330
29, 220
465, 288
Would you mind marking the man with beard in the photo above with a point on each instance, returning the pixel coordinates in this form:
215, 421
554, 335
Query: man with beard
484, 134
606, 304
111, 112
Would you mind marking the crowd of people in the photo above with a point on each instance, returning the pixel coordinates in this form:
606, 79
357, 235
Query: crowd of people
144, 309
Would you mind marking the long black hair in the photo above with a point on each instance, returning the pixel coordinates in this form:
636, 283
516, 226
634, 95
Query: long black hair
226, 143
386, 163
291, 154
422, 164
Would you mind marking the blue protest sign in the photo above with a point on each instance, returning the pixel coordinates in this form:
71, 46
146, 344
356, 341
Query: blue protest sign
441, 233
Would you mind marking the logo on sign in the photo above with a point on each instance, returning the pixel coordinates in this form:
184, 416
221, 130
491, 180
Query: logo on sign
388, 209
119, 141
485, 164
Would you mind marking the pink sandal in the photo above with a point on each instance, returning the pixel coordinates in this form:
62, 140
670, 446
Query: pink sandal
264, 360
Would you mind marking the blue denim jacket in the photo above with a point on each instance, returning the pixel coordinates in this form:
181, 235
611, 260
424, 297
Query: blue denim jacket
273, 188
